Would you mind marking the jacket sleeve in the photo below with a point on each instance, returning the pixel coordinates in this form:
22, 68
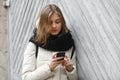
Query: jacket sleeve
73, 75
29, 71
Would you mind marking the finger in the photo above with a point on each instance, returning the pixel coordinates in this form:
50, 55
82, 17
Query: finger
58, 59
54, 55
68, 62
60, 62
61, 58
56, 63
67, 59
66, 56
68, 65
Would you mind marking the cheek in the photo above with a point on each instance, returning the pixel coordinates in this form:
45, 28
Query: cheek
60, 26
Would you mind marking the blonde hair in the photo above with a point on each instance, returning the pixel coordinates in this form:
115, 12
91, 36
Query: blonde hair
43, 23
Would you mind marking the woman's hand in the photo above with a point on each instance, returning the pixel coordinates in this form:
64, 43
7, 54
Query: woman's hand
68, 64
55, 62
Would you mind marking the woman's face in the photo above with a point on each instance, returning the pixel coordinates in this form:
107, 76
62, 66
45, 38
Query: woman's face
55, 24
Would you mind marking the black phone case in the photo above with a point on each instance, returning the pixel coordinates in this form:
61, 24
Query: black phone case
61, 54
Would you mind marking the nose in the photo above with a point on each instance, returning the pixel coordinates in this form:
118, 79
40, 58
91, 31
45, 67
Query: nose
53, 25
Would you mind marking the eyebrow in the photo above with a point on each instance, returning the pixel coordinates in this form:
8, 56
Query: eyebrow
58, 19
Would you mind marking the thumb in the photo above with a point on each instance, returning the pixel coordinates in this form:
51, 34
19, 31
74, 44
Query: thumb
54, 55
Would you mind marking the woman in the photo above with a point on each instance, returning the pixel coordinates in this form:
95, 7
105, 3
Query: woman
51, 36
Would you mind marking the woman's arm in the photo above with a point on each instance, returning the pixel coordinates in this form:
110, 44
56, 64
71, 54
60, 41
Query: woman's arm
29, 71
72, 75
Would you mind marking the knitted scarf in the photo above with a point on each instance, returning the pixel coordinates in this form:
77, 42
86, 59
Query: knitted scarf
57, 43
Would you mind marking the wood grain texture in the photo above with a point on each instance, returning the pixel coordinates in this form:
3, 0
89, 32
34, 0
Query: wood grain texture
94, 24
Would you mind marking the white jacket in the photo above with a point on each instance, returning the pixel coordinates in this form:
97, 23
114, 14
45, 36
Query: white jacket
38, 69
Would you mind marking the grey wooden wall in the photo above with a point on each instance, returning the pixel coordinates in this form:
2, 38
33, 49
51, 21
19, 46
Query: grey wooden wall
95, 26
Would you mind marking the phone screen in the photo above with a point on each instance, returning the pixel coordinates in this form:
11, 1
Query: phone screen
61, 54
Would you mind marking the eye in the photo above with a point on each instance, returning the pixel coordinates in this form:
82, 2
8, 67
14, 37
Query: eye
57, 21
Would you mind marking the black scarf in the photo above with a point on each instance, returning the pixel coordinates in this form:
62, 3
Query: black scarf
57, 43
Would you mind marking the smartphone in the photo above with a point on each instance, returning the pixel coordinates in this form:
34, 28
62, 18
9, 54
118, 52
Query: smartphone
61, 54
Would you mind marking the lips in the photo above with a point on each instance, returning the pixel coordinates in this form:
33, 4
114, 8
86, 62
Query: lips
54, 30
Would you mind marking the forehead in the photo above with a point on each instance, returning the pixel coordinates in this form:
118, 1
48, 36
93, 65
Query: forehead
54, 16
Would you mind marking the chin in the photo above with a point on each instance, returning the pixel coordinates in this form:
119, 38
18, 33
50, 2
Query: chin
54, 34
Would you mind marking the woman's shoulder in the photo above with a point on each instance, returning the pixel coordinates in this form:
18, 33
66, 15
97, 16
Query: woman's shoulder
34, 46
31, 45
